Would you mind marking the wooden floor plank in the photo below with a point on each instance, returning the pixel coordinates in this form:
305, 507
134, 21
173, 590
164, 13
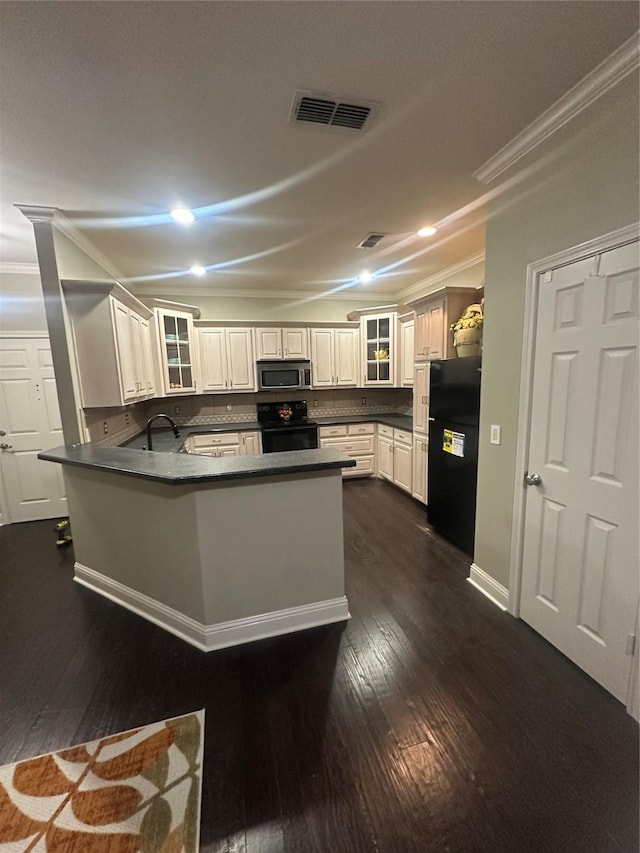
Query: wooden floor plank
431, 721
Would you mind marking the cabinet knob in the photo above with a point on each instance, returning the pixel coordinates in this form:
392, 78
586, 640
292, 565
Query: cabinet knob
5, 446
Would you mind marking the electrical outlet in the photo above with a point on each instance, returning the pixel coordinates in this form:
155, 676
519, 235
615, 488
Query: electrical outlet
127, 418
176, 410
105, 428
364, 401
229, 407
495, 434
315, 402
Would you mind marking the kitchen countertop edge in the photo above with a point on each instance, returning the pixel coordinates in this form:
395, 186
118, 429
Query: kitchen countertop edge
182, 469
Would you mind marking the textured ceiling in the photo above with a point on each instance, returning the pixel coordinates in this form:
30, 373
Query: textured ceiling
115, 112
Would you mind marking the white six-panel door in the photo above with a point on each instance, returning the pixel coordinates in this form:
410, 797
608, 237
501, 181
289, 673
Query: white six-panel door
580, 557
30, 422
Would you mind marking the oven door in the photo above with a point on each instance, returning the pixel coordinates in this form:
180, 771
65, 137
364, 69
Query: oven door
281, 438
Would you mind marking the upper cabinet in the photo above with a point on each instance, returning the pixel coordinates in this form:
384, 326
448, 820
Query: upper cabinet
178, 358
335, 357
378, 348
406, 347
226, 358
434, 316
274, 343
112, 338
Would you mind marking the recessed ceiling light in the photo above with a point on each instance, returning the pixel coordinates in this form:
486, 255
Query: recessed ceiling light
182, 215
365, 276
427, 231
197, 269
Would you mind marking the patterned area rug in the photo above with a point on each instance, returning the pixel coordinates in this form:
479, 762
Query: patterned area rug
133, 791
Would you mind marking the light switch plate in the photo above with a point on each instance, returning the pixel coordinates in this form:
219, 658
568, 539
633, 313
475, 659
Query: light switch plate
495, 434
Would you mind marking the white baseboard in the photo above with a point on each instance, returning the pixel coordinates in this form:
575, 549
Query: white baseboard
222, 634
493, 590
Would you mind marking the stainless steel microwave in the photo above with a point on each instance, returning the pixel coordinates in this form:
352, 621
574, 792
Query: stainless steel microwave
283, 375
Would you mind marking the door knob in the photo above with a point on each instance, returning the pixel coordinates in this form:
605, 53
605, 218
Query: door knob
533, 479
5, 446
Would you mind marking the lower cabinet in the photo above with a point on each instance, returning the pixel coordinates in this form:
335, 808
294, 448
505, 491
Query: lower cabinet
225, 444
395, 456
354, 440
251, 443
420, 467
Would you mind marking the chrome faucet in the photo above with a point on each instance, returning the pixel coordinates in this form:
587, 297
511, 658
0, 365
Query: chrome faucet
175, 429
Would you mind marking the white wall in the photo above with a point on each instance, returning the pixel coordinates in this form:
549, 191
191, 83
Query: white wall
21, 303
581, 183
74, 263
470, 276
254, 309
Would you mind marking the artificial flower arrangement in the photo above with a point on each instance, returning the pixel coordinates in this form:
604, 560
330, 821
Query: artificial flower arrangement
472, 318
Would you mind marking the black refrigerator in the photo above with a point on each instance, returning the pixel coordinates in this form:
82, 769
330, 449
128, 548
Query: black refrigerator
454, 415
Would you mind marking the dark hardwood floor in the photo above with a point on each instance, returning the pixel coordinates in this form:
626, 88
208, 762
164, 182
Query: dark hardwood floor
430, 722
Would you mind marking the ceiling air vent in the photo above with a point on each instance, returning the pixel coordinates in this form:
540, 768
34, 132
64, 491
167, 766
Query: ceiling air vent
371, 240
316, 108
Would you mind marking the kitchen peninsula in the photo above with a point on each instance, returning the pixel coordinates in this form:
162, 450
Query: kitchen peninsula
217, 551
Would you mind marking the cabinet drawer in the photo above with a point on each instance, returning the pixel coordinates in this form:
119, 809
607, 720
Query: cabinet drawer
403, 436
385, 430
328, 431
365, 467
350, 446
361, 429
214, 440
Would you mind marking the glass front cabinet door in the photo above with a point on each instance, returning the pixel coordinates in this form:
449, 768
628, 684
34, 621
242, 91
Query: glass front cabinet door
177, 351
379, 349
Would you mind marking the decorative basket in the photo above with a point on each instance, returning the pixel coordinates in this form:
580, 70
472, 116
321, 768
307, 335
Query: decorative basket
467, 342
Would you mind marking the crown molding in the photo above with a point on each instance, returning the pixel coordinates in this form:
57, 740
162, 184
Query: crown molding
19, 268
154, 290
36, 212
67, 227
54, 216
618, 65
422, 288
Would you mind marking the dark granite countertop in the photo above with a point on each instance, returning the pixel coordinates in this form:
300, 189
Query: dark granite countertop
397, 421
182, 469
165, 441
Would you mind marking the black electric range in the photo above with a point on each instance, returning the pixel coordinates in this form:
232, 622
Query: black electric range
285, 426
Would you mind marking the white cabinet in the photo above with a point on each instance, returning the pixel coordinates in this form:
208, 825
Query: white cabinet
406, 328
178, 360
134, 353
113, 343
434, 316
421, 397
402, 459
420, 467
395, 456
385, 457
251, 443
354, 440
378, 353
223, 444
334, 357
282, 343
215, 444
226, 358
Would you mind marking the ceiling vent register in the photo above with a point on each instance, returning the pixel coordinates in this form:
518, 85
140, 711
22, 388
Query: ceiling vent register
371, 240
320, 109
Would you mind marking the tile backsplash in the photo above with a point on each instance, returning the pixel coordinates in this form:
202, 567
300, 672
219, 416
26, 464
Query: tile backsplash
123, 423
